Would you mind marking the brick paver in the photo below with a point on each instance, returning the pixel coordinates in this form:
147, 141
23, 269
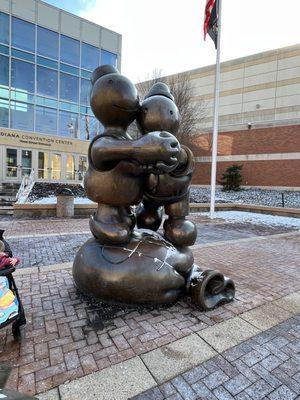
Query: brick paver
227, 376
68, 337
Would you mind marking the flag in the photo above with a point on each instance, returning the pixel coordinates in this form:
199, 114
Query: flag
211, 20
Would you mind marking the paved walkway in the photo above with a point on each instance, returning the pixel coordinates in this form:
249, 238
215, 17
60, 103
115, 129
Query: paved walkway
68, 338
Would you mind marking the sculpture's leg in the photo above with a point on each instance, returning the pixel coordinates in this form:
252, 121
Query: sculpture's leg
209, 288
177, 229
111, 224
149, 215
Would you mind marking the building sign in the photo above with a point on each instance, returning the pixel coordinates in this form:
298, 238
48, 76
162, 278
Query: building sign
37, 141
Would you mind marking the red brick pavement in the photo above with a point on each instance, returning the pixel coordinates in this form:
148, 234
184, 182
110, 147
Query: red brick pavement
62, 345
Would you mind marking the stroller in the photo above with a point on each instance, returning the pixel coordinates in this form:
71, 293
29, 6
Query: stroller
11, 308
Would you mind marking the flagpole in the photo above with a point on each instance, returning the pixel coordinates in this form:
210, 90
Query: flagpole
216, 119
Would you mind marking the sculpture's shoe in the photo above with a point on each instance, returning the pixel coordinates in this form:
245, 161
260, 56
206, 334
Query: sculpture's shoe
208, 288
110, 232
144, 271
180, 231
149, 216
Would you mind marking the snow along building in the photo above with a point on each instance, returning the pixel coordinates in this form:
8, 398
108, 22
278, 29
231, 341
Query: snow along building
259, 120
46, 59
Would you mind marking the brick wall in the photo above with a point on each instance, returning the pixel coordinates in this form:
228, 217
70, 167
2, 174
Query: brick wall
284, 172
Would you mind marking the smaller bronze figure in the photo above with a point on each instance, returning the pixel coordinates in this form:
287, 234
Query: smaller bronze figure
122, 263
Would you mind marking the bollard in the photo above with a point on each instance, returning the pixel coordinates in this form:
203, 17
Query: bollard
282, 199
65, 203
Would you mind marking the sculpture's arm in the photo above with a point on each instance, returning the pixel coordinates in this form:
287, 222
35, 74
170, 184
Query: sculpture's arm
154, 147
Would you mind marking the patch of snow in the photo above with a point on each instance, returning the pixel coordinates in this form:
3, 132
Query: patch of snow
256, 218
52, 200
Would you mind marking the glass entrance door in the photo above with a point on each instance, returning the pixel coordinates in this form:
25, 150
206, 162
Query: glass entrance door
55, 167
43, 165
12, 168
26, 162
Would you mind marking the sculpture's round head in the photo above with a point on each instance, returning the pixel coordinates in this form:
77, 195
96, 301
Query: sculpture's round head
158, 111
114, 98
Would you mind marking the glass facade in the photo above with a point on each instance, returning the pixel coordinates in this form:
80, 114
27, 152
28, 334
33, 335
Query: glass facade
44, 80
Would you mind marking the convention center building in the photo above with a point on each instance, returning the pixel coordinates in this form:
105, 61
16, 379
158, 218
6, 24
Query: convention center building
46, 59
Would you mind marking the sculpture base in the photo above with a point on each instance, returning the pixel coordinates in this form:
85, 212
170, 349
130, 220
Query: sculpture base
146, 271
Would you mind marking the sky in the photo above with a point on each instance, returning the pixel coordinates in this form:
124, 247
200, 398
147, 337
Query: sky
167, 35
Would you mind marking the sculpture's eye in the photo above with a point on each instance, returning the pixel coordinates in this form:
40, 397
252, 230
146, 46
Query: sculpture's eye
171, 112
145, 110
110, 81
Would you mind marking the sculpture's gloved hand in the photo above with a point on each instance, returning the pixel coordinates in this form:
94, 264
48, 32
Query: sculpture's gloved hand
159, 147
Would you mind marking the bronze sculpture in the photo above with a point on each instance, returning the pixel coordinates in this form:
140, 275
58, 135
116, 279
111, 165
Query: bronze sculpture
139, 266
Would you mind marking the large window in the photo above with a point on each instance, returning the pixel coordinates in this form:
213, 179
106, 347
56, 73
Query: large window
85, 88
47, 81
108, 58
43, 161
69, 50
89, 56
4, 71
68, 124
23, 34
21, 116
89, 127
46, 120
69, 87
11, 163
47, 42
70, 167
4, 106
4, 28
22, 75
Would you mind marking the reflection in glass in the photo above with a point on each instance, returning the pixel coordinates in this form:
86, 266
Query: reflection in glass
55, 166
47, 81
85, 88
69, 50
22, 54
47, 42
4, 106
82, 167
22, 75
89, 56
21, 116
89, 127
68, 124
4, 28
43, 165
70, 167
4, 70
11, 163
108, 58
26, 162
23, 34
46, 120
69, 87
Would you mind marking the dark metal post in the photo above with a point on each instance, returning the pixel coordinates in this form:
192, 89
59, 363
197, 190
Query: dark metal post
282, 199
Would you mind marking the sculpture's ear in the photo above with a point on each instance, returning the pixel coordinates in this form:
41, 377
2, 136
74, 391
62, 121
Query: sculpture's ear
101, 71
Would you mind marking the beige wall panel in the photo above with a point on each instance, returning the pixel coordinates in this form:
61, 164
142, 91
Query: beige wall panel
209, 89
90, 33
260, 79
286, 101
288, 90
203, 81
70, 25
287, 115
264, 105
289, 73
234, 84
4, 5
259, 94
230, 109
234, 74
289, 62
109, 41
260, 68
231, 99
48, 16
24, 9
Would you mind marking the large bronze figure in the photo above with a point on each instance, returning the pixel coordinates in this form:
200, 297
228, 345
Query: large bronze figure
122, 263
